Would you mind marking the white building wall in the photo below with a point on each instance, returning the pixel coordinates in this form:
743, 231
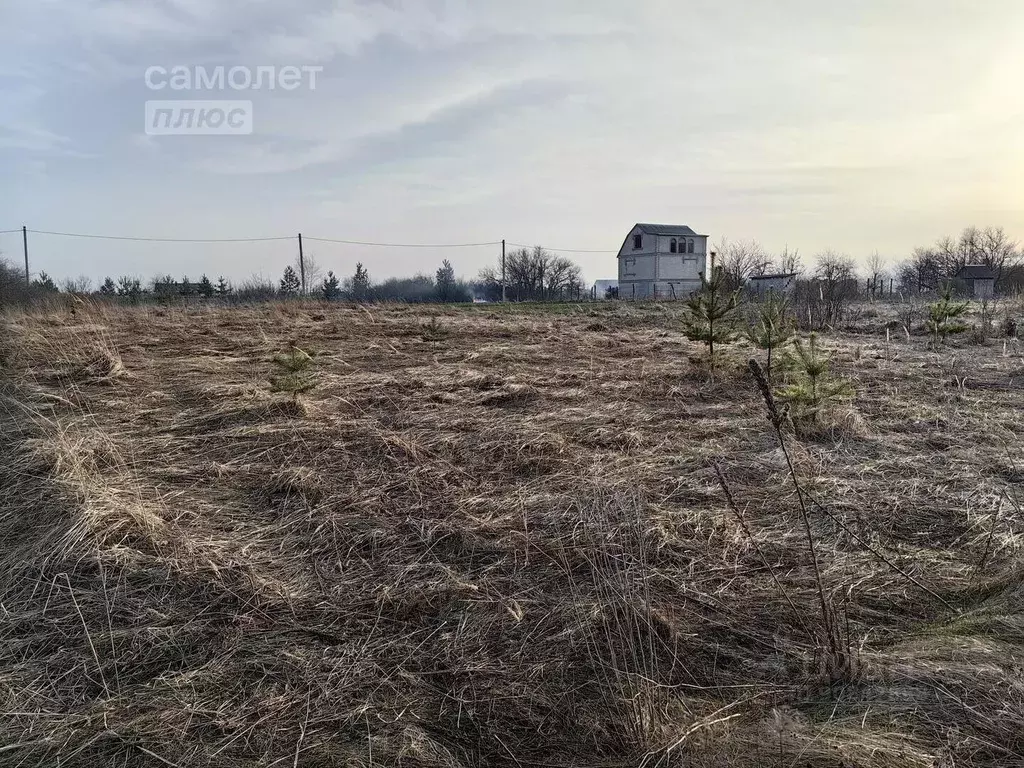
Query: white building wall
654, 271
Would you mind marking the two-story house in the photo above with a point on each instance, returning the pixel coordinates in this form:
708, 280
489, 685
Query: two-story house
661, 261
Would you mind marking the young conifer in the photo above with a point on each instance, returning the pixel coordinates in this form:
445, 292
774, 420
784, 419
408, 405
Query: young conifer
711, 312
772, 329
812, 389
297, 372
944, 316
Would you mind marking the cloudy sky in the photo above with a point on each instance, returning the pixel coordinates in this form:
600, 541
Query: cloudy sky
876, 125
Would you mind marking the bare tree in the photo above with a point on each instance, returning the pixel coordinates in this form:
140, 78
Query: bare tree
991, 247
742, 259
80, 285
314, 272
533, 275
789, 262
837, 284
876, 273
562, 277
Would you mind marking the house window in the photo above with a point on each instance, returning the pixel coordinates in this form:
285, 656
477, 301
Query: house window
672, 246
689, 247
638, 242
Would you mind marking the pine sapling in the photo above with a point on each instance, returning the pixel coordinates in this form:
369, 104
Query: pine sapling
944, 317
813, 389
772, 329
711, 313
297, 372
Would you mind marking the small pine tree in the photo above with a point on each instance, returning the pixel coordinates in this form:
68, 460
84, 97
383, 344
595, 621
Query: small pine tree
812, 389
445, 282
772, 329
297, 372
290, 283
944, 317
223, 288
331, 288
109, 287
129, 287
205, 287
45, 283
361, 283
711, 313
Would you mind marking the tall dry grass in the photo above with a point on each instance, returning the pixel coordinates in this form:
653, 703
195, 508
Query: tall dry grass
507, 544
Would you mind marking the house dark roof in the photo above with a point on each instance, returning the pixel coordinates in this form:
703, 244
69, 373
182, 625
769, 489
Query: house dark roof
666, 229
776, 276
976, 272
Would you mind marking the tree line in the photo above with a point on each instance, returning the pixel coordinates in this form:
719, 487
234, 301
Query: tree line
530, 275
927, 269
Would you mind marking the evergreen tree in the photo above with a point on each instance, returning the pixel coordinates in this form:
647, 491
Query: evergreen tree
944, 316
361, 283
297, 372
331, 288
129, 287
109, 287
205, 287
223, 288
813, 389
290, 283
711, 312
45, 283
772, 328
445, 282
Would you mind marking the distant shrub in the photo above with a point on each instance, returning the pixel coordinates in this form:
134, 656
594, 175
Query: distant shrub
256, 288
1009, 327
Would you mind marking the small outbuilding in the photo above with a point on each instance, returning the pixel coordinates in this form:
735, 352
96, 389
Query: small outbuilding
782, 283
979, 279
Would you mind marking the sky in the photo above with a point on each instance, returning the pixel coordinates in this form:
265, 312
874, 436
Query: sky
880, 125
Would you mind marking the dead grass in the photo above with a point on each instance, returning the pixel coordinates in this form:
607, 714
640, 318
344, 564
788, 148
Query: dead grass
503, 544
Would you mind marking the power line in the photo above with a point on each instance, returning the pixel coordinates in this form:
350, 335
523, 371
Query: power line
160, 239
560, 250
403, 245
363, 243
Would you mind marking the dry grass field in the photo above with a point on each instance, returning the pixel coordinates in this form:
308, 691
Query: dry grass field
499, 538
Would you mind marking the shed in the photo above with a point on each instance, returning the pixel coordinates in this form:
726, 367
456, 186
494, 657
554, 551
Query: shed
782, 283
604, 289
979, 279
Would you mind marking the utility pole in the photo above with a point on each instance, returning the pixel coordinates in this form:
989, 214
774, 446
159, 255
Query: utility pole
24, 242
504, 294
302, 266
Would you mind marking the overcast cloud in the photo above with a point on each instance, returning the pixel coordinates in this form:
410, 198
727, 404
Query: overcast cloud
875, 125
